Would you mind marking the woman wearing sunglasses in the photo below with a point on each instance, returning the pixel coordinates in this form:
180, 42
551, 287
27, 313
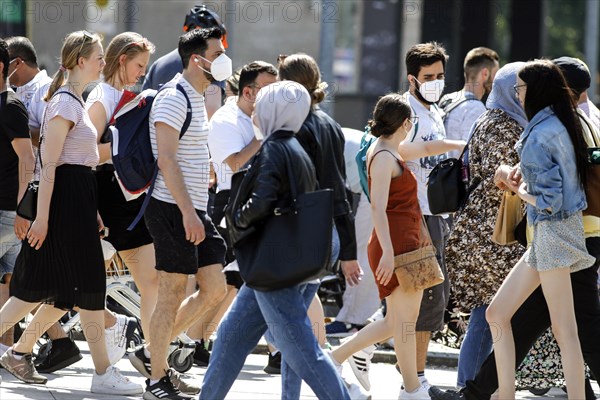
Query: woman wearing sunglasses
61, 263
550, 178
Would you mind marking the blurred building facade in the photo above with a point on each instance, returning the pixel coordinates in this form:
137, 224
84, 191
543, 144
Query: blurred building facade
371, 36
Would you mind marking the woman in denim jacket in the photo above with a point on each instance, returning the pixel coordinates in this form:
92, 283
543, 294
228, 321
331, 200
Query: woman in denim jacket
550, 180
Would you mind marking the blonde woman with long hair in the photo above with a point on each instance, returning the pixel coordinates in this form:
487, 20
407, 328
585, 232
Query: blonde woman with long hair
61, 263
127, 56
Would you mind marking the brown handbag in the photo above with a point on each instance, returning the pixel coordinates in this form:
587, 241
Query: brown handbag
418, 269
509, 215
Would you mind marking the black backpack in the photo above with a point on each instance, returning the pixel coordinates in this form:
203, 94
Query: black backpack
132, 156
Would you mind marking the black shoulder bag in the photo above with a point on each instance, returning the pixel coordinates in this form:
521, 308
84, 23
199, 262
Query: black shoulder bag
448, 184
27, 207
293, 245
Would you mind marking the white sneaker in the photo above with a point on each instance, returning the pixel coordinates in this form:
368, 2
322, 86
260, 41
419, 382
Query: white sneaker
113, 382
356, 392
419, 394
425, 383
361, 363
116, 339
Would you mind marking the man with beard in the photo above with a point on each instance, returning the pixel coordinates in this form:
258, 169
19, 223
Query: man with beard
426, 68
185, 239
167, 66
464, 107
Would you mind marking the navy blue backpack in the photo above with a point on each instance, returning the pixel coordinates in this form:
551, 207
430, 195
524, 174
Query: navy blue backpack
131, 149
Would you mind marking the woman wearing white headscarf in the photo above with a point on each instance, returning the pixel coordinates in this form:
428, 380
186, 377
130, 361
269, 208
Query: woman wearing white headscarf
280, 110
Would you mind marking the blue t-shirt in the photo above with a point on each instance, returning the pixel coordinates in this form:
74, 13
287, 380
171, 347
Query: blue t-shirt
163, 70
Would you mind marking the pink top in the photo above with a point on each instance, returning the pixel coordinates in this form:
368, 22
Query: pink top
80, 146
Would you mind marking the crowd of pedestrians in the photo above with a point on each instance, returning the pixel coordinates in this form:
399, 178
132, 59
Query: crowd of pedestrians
259, 136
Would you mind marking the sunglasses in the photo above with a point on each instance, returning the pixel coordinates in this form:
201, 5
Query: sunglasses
86, 35
143, 44
281, 58
516, 87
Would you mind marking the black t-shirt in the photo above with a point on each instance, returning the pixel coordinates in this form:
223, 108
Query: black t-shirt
13, 125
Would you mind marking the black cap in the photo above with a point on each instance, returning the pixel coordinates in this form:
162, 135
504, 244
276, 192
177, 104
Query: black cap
575, 71
202, 17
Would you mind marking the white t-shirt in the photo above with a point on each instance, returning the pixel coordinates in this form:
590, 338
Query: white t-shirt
107, 95
351, 147
459, 122
230, 131
36, 107
27, 92
170, 107
431, 127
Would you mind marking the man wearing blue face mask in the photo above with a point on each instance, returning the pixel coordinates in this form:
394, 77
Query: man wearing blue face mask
426, 67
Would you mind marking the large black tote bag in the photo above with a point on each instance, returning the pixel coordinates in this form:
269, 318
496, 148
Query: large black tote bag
293, 245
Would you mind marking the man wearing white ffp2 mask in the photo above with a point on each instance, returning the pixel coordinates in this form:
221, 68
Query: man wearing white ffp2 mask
426, 67
220, 68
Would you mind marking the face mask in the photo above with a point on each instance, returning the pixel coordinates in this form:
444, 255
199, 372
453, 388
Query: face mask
431, 90
16, 69
221, 68
257, 133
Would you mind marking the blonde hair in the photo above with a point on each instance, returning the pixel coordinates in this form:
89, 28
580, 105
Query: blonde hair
129, 43
77, 44
303, 69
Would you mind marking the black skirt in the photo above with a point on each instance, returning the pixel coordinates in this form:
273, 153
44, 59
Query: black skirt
118, 213
68, 270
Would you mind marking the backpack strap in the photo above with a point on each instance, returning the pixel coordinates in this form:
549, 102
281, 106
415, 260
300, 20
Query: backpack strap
451, 106
188, 117
184, 128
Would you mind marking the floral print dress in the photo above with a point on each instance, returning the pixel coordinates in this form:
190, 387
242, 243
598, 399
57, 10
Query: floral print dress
476, 265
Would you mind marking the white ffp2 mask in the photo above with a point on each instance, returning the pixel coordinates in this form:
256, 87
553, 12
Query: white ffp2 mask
431, 90
221, 67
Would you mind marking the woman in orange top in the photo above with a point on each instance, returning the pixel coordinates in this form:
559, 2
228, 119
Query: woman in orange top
397, 219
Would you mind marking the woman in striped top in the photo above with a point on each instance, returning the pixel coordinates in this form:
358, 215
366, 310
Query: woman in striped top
61, 262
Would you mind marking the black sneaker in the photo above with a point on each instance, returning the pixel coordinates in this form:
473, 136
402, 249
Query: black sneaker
438, 394
201, 355
141, 362
62, 353
274, 365
164, 389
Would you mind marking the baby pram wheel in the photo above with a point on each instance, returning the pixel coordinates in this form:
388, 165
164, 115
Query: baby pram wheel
181, 360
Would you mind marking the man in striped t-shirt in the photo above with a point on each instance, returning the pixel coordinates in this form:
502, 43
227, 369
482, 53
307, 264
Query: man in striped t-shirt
185, 239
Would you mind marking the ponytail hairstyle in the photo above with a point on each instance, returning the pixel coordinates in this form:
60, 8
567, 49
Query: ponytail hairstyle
303, 69
391, 111
129, 43
546, 86
77, 44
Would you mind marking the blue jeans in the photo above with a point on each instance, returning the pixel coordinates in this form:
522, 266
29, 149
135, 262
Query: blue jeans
475, 348
284, 313
10, 245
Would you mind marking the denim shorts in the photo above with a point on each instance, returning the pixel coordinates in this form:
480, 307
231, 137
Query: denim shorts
10, 245
174, 253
